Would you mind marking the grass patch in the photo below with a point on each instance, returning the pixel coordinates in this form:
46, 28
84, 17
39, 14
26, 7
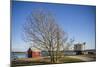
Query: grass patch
90, 55
43, 61
70, 60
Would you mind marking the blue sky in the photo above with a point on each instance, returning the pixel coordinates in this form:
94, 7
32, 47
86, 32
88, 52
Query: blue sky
77, 20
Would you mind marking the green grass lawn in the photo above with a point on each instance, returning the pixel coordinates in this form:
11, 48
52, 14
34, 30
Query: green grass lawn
32, 61
70, 60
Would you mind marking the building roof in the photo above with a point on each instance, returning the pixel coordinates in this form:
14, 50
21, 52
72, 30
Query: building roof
35, 49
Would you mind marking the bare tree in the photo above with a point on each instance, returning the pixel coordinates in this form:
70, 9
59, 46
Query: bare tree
42, 31
69, 44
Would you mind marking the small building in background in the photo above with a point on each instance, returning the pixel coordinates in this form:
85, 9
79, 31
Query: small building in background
33, 53
79, 48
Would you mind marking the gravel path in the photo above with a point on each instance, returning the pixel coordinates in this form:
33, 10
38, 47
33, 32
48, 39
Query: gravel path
82, 58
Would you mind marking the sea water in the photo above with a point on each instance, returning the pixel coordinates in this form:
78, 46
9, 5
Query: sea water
15, 55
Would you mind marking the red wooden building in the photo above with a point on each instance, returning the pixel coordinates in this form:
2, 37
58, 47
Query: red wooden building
33, 53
